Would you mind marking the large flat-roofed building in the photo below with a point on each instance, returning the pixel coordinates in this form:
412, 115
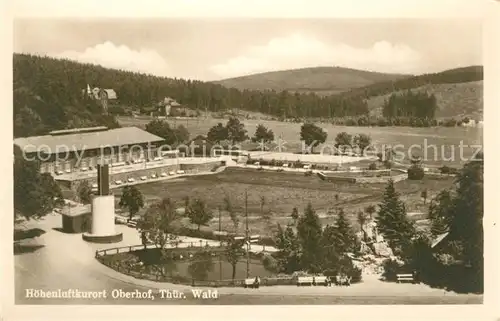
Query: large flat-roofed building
81, 149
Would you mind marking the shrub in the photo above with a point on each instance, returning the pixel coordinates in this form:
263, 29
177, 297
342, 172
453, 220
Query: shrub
298, 164
444, 169
372, 167
270, 263
348, 268
391, 269
344, 266
447, 170
416, 173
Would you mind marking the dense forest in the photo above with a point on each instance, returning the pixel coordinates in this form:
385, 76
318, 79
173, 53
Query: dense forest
44, 82
48, 95
409, 104
458, 75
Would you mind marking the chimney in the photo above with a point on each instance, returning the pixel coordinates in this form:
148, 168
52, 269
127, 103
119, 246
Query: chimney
102, 179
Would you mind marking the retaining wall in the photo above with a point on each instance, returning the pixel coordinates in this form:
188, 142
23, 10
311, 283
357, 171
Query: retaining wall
363, 180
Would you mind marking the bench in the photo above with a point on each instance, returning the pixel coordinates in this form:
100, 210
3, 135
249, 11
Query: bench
305, 280
321, 280
343, 280
405, 277
132, 223
251, 283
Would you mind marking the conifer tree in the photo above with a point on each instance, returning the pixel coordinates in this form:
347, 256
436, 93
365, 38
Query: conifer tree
288, 255
392, 222
345, 238
466, 225
309, 233
439, 212
328, 243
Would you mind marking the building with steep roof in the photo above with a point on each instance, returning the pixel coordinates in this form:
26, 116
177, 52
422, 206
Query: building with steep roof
104, 96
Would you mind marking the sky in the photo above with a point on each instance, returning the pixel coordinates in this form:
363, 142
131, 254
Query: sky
218, 48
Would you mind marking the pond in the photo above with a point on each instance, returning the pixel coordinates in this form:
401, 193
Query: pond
219, 269
186, 266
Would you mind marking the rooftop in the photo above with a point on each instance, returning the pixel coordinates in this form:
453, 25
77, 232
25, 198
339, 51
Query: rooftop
82, 139
111, 93
439, 239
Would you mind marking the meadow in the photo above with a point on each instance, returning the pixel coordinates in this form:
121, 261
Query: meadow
437, 145
282, 191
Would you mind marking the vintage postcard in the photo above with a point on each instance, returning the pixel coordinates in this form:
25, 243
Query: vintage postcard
250, 160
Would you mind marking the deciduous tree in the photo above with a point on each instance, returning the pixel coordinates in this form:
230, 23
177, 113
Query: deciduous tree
263, 135
234, 251
217, 133
343, 141
236, 132
157, 223
312, 135
198, 212
229, 208
84, 192
132, 200
363, 142
35, 194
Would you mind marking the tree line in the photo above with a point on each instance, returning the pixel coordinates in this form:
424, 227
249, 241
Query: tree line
409, 104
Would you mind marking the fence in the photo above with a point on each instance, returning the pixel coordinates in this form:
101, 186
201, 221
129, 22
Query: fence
138, 273
176, 245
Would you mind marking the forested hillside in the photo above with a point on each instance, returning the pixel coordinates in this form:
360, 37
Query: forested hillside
47, 95
458, 100
451, 76
319, 80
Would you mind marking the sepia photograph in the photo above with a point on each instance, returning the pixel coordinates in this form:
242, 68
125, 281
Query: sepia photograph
248, 161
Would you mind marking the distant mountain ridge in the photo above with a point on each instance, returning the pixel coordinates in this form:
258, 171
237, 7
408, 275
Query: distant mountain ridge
320, 80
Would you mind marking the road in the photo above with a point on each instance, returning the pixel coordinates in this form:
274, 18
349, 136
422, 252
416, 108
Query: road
64, 261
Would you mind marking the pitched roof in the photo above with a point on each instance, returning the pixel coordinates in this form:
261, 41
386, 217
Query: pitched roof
111, 93
439, 239
170, 101
85, 140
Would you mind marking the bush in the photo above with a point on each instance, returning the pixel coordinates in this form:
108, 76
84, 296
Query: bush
348, 268
270, 263
391, 268
344, 266
416, 173
298, 164
372, 167
447, 170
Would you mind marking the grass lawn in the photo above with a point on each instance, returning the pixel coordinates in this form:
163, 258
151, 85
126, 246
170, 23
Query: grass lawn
282, 192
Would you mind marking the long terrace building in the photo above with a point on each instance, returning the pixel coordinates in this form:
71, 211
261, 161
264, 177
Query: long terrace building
81, 149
